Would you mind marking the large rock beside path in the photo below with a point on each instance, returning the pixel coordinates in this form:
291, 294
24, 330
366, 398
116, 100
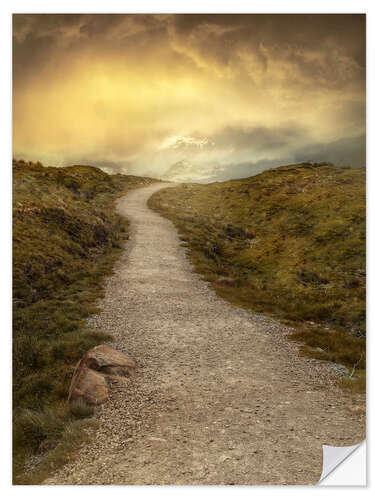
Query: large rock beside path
107, 360
88, 385
89, 382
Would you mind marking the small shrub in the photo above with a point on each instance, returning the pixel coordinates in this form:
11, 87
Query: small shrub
79, 409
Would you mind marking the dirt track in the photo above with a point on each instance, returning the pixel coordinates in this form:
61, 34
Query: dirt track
220, 396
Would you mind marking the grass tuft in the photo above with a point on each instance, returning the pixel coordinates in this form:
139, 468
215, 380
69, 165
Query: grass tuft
79, 409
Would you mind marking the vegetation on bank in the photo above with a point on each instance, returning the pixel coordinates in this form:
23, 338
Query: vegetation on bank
66, 238
291, 243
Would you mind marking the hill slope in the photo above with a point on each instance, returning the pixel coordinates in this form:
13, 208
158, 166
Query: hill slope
66, 237
291, 241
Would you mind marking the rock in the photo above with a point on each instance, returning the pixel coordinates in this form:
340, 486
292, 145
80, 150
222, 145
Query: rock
100, 363
105, 359
88, 385
224, 281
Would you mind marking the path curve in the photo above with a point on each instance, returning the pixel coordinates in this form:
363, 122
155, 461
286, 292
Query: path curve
220, 395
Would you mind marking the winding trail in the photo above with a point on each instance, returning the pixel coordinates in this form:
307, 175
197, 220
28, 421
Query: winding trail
220, 395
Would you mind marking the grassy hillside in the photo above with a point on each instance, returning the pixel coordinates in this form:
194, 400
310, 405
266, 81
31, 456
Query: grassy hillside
66, 237
291, 241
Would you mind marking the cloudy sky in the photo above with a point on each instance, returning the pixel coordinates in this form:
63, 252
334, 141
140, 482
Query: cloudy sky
189, 97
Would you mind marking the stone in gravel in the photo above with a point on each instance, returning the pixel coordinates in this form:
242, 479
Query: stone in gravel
88, 385
103, 358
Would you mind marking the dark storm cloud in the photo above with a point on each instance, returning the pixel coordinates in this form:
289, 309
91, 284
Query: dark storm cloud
350, 151
281, 30
257, 138
42, 39
325, 48
353, 113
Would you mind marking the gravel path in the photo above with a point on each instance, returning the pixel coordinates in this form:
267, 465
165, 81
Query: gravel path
220, 396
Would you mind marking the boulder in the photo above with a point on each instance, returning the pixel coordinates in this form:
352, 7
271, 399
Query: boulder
89, 382
107, 360
88, 385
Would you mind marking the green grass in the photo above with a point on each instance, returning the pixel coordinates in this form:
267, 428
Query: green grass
292, 239
66, 238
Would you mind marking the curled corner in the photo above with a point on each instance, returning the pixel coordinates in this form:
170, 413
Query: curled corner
333, 456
